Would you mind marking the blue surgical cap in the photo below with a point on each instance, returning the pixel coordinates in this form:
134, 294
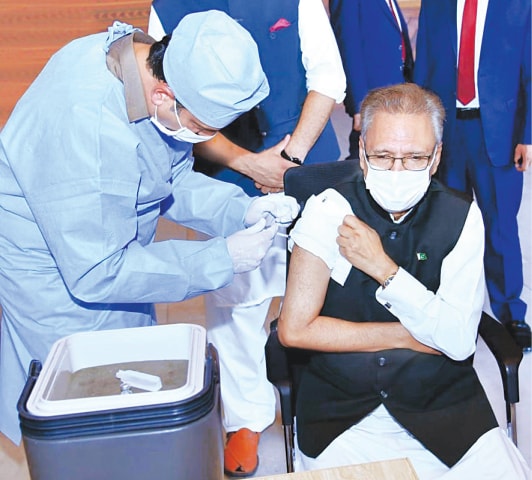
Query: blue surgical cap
212, 65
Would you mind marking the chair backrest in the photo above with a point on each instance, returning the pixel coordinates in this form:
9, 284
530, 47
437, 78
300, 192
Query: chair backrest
302, 182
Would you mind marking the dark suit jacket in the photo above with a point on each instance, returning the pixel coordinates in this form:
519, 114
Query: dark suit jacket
504, 70
369, 41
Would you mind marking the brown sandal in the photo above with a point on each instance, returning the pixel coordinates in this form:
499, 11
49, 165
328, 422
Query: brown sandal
240, 455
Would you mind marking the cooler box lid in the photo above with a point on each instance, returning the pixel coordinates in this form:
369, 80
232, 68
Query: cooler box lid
79, 374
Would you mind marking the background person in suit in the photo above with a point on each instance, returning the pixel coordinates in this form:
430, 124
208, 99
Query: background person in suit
298, 52
375, 49
475, 54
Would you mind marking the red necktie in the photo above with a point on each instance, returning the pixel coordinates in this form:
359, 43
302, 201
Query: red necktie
465, 90
403, 51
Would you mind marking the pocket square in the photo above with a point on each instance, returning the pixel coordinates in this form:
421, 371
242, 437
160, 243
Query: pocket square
279, 25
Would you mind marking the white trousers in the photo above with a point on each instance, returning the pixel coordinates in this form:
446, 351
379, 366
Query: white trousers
379, 437
235, 320
239, 335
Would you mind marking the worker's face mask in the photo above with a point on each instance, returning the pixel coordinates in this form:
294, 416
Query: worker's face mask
397, 191
183, 134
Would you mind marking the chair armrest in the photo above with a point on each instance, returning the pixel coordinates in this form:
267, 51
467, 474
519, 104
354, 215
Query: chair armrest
278, 373
277, 367
505, 351
284, 367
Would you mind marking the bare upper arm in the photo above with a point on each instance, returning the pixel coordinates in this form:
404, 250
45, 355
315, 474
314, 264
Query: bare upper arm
308, 278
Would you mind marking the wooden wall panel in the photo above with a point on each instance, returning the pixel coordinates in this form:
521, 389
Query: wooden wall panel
31, 31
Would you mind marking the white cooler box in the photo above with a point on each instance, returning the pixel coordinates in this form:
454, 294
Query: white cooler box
80, 422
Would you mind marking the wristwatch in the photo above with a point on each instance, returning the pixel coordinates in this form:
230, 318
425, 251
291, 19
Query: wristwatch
388, 280
291, 159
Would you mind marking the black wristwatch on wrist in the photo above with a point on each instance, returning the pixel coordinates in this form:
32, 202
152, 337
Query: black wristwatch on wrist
291, 159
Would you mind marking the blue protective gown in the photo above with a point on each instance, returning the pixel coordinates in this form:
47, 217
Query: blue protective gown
81, 191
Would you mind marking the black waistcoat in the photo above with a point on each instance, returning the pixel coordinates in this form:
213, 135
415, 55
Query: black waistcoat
438, 400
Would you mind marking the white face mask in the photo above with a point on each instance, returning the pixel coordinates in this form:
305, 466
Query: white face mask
183, 134
397, 191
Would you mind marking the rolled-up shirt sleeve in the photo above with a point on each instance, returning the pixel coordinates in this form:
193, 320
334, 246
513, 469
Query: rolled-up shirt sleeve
320, 54
317, 229
447, 319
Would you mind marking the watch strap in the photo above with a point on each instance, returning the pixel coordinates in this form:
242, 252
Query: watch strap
291, 159
388, 280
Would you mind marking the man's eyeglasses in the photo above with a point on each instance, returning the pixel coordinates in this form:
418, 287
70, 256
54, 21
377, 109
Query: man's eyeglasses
410, 162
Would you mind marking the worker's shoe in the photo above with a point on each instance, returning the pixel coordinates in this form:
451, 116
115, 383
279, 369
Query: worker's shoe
241, 453
520, 331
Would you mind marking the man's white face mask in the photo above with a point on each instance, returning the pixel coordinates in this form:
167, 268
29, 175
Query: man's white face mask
398, 191
183, 134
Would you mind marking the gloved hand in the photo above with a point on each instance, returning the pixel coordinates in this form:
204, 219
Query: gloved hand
247, 247
281, 207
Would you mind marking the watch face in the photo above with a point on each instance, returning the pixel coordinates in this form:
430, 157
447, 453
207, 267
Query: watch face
388, 281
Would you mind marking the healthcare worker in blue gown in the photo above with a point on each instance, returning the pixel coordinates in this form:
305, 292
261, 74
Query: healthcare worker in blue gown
94, 152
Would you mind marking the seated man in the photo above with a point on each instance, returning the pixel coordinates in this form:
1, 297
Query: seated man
390, 298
